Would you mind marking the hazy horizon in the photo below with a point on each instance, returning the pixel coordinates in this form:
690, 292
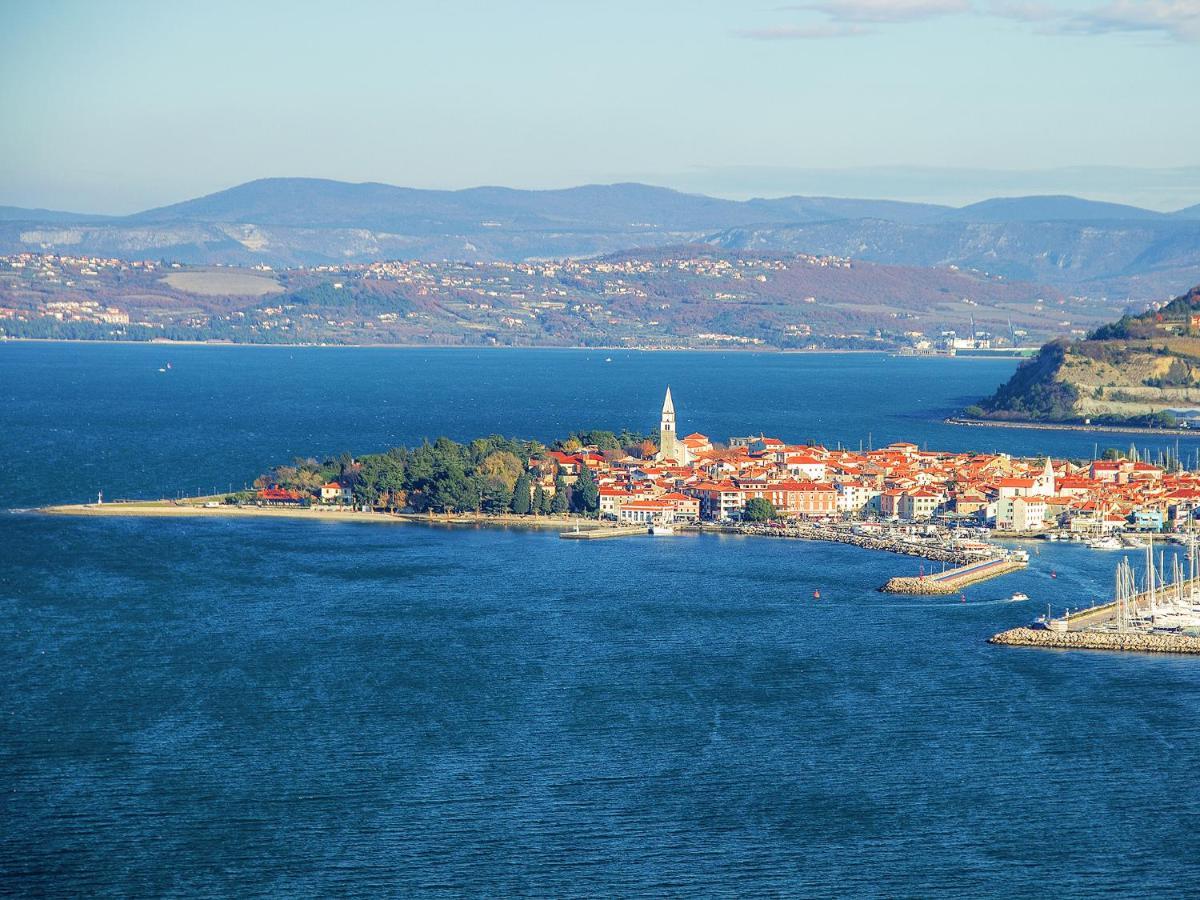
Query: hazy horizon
115, 110
1162, 190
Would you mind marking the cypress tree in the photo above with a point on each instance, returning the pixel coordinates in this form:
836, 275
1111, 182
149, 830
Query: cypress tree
541, 501
561, 501
520, 501
585, 497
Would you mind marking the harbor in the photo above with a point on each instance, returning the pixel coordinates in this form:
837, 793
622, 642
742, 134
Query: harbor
1158, 612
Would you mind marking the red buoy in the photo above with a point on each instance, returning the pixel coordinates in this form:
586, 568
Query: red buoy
816, 595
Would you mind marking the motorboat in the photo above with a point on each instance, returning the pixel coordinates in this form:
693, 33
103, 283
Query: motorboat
1017, 597
661, 529
1110, 542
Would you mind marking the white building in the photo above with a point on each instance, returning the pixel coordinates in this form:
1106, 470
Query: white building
1021, 514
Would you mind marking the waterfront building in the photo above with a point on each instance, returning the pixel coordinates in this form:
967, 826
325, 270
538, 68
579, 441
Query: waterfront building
1021, 514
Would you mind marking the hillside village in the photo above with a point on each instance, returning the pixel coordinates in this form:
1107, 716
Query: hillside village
692, 478
685, 297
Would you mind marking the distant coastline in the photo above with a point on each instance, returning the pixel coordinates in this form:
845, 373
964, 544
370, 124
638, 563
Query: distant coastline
1065, 426
165, 342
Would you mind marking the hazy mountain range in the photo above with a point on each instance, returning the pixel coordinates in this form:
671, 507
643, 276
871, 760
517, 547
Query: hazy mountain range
1082, 246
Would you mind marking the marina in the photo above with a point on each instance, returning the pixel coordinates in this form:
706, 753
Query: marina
1156, 612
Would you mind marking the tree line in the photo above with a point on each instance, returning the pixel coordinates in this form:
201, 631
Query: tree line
493, 475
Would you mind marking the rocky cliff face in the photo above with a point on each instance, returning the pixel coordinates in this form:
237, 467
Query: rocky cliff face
1135, 370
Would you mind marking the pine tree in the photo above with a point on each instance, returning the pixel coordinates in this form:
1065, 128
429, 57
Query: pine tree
562, 500
520, 501
541, 500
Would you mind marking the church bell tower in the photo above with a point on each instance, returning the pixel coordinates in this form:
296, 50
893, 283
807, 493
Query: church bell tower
667, 446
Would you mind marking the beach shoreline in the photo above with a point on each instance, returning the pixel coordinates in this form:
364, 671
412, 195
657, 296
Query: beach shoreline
173, 509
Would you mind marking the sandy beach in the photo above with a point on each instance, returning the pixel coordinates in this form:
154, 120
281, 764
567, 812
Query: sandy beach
172, 509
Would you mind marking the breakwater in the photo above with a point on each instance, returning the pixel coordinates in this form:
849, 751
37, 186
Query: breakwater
952, 580
1139, 642
904, 545
1063, 426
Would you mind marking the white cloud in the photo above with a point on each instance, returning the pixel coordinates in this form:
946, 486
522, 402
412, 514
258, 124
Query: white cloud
1179, 19
1174, 19
1170, 19
884, 10
802, 32
1025, 11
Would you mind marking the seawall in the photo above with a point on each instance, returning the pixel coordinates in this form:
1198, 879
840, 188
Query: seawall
1097, 640
953, 581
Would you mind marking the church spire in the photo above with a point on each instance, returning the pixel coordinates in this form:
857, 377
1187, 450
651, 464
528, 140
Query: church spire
668, 447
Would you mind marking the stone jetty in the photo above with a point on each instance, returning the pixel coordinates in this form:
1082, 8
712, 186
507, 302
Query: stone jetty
953, 580
1138, 642
938, 552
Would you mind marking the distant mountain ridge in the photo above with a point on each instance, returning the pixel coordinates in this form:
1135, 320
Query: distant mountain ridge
325, 203
305, 202
1078, 244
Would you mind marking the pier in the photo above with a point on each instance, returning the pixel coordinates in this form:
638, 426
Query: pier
953, 580
1160, 619
593, 534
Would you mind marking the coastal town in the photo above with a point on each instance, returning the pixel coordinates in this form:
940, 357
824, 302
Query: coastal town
681, 480
678, 298
943, 507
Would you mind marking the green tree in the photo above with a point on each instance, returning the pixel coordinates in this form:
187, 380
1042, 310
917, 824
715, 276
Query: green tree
494, 496
380, 478
758, 509
438, 478
541, 500
585, 496
562, 499
522, 498
501, 465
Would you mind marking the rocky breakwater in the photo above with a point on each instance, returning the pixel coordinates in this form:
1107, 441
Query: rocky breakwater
1138, 642
905, 545
953, 580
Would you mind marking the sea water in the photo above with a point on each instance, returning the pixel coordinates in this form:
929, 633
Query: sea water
281, 707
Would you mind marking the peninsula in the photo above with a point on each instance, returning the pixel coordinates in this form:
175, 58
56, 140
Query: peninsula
754, 483
1141, 371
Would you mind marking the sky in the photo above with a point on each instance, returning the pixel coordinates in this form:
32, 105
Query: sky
121, 106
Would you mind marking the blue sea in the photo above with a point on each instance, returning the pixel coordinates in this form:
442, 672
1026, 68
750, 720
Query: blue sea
231, 708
